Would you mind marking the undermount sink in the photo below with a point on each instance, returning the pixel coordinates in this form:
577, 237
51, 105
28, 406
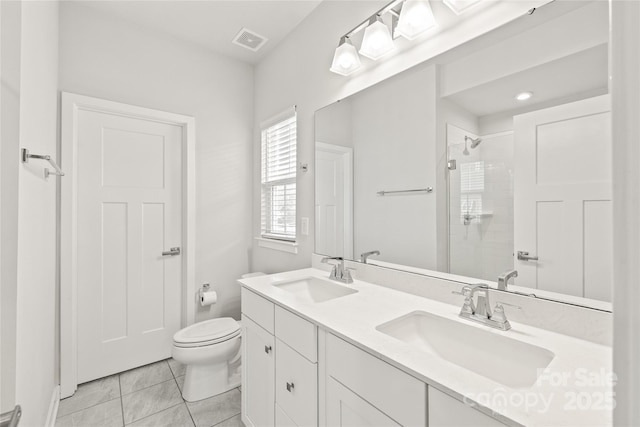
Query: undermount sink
495, 356
313, 289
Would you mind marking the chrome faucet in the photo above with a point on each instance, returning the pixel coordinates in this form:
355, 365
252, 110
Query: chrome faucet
479, 310
503, 279
365, 255
339, 272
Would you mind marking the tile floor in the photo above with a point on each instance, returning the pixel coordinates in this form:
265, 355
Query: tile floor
146, 396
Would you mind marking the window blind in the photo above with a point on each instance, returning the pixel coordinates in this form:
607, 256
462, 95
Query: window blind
278, 165
471, 189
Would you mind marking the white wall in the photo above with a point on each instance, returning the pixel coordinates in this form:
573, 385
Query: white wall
10, 137
394, 148
36, 368
297, 73
108, 58
333, 124
626, 210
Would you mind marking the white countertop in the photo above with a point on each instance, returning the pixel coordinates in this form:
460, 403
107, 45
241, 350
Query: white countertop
575, 393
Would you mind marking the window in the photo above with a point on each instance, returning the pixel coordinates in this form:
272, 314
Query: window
278, 164
471, 189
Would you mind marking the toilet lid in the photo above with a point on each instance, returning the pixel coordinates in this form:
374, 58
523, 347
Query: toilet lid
207, 332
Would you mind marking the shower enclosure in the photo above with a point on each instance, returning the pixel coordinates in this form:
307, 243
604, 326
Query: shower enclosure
480, 203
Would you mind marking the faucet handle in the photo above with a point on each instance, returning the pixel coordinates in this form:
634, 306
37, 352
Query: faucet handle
499, 314
467, 306
465, 291
346, 275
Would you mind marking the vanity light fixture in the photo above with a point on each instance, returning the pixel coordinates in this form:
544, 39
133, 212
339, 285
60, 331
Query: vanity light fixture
346, 59
377, 40
407, 18
523, 96
460, 6
416, 17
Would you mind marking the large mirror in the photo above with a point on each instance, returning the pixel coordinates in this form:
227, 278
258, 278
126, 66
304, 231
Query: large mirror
493, 157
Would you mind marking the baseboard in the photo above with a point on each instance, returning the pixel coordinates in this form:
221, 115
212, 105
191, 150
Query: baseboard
53, 407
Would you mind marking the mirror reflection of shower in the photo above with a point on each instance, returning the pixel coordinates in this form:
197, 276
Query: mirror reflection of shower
480, 193
474, 143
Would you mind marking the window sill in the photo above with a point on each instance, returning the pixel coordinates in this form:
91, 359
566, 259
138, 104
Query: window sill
278, 245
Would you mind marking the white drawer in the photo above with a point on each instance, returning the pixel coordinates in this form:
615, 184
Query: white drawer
258, 309
396, 393
298, 333
296, 386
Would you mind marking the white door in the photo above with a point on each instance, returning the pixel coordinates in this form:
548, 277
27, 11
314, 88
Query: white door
128, 212
333, 232
258, 375
562, 200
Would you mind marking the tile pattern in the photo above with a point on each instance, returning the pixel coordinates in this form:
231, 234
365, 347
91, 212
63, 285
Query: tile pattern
148, 396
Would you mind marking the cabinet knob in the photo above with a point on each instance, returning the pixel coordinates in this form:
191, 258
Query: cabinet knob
289, 387
267, 349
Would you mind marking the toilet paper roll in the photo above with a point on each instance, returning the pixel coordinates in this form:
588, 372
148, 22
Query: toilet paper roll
208, 298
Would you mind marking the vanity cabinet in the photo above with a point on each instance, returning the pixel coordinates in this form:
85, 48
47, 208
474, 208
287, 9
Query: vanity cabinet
281, 379
279, 367
258, 360
258, 366
364, 390
445, 411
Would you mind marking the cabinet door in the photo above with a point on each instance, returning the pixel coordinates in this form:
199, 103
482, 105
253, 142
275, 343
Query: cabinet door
347, 409
395, 393
296, 386
258, 375
445, 411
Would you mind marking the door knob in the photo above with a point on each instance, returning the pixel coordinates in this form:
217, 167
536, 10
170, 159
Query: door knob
524, 256
172, 252
289, 387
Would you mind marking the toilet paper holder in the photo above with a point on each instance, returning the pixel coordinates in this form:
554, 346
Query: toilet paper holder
206, 287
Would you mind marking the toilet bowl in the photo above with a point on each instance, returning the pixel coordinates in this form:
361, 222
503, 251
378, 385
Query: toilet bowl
211, 352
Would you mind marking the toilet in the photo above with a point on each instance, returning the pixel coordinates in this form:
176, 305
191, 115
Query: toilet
211, 352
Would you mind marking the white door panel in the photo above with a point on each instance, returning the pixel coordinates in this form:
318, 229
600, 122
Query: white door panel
562, 199
129, 212
333, 209
329, 204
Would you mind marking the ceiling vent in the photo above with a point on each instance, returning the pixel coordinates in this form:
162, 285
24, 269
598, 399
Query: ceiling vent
249, 39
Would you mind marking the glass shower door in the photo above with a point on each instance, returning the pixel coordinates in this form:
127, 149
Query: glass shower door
480, 203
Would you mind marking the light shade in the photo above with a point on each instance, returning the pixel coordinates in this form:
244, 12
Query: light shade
416, 17
460, 6
345, 59
377, 40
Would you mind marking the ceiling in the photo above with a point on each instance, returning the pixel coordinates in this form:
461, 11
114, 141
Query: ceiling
560, 59
580, 75
212, 24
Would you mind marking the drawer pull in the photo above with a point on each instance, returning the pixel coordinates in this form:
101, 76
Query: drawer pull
267, 349
289, 387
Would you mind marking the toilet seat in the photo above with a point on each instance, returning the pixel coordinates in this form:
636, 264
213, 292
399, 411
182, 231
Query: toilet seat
206, 333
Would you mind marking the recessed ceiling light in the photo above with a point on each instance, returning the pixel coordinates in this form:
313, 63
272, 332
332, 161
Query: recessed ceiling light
523, 96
